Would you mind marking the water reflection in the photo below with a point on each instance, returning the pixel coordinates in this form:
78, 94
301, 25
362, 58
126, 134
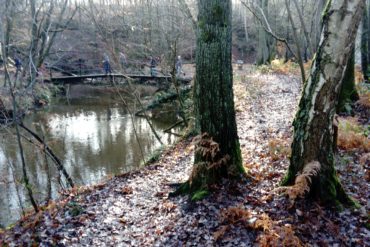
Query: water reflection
93, 140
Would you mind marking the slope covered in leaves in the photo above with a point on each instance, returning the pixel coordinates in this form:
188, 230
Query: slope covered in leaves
134, 209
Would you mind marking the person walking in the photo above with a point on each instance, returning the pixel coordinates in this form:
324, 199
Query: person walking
18, 64
122, 60
152, 64
106, 65
178, 66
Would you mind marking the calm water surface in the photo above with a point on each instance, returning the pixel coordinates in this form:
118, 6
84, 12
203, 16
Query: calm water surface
94, 137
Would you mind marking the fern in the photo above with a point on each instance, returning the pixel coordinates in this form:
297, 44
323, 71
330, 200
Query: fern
279, 236
210, 151
302, 182
272, 233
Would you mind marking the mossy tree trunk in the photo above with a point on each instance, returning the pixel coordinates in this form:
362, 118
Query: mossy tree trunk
368, 37
365, 45
313, 124
213, 97
348, 92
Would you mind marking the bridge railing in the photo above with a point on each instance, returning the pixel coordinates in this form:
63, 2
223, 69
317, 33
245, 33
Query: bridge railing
93, 67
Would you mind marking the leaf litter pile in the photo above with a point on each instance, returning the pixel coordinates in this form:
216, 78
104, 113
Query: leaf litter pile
134, 209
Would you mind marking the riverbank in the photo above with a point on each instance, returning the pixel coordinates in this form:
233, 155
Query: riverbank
134, 209
28, 99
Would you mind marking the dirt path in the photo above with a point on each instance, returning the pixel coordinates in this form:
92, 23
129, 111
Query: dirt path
134, 210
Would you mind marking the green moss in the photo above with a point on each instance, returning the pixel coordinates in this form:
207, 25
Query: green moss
331, 190
74, 209
348, 93
239, 162
367, 225
218, 14
288, 178
154, 156
199, 195
186, 189
207, 36
334, 194
183, 189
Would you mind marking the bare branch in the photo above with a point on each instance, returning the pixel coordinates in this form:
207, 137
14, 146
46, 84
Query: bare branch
266, 26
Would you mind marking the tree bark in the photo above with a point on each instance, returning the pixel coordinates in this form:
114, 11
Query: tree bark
9, 20
318, 22
213, 99
364, 45
368, 34
313, 124
264, 52
305, 32
348, 92
296, 41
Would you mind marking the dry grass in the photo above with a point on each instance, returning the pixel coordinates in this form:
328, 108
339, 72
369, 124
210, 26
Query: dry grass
246, 89
359, 77
240, 94
363, 89
278, 149
364, 101
271, 232
352, 136
287, 68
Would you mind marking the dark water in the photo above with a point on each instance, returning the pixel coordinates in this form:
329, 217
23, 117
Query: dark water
94, 137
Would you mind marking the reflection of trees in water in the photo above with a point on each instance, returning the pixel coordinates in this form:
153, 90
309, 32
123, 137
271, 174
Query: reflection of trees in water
10, 193
110, 147
14, 193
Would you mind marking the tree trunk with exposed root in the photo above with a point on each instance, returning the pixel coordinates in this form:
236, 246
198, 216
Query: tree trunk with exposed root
217, 153
313, 124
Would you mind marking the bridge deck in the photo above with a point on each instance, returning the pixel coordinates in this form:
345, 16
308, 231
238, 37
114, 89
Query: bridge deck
79, 78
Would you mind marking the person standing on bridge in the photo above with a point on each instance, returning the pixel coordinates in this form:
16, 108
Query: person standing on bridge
122, 60
152, 64
106, 65
178, 66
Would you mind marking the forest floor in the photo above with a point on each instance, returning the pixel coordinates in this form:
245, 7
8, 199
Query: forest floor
134, 209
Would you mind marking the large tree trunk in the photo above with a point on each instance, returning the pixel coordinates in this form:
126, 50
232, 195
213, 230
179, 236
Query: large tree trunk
368, 34
313, 124
213, 98
364, 45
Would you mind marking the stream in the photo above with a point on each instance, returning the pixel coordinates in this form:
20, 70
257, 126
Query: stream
93, 136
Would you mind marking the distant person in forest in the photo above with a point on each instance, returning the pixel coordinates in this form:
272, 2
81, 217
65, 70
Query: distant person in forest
106, 65
122, 60
152, 65
18, 64
178, 66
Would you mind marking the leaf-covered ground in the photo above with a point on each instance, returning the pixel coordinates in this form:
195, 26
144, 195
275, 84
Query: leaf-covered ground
134, 209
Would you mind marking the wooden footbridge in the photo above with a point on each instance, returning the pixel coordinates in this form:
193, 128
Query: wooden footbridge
114, 77
91, 72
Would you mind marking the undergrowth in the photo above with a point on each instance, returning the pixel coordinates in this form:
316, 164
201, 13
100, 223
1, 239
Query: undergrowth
271, 232
278, 149
280, 66
352, 136
206, 171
